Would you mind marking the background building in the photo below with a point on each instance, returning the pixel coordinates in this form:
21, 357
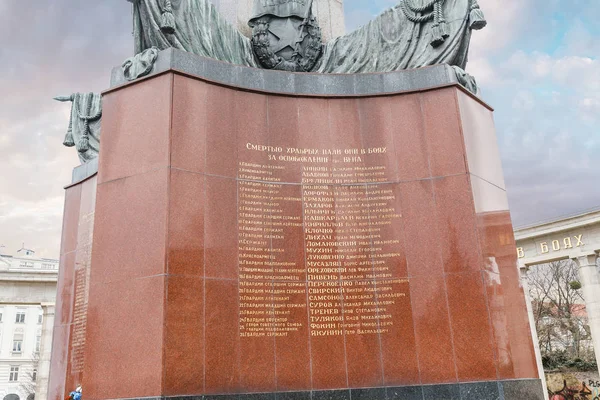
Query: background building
27, 296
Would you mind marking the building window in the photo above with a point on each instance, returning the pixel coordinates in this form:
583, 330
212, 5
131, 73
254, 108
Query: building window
18, 343
20, 318
34, 375
14, 374
25, 264
38, 343
40, 318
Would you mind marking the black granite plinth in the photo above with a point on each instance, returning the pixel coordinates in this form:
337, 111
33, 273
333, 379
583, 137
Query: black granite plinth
521, 389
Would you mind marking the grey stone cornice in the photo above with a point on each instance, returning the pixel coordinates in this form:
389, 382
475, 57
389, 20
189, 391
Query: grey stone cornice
560, 224
84, 172
297, 84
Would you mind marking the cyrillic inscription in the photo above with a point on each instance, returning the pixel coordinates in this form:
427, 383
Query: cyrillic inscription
337, 218
546, 247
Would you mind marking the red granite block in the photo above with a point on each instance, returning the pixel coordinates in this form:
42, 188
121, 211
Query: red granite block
131, 214
363, 348
443, 132
357, 249
524, 359
494, 240
313, 122
184, 336
378, 124
471, 330
65, 290
497, 243
345, 131
125, 318
327, 350
518, 327
186, 223
328, 362
70, 219
222, 340
257, 353
58, 364
389, 239
398, 344
500, 328
283, 131
410, 141
251, 127
293, 254
514, 348
221, 227
190, 124
457, 226
423, 252
288, 236
435, 349
74, 373
178, 212
87, 206
293, 349
136, 127
257, 365
221, 149
481, 143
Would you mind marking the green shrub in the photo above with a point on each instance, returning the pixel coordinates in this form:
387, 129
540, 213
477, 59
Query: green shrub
560, 360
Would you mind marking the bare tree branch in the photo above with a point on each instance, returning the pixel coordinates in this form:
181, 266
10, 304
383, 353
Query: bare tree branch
559, 310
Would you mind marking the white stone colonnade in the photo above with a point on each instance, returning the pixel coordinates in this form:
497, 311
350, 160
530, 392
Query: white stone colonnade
45, 352
576, 238
590, 281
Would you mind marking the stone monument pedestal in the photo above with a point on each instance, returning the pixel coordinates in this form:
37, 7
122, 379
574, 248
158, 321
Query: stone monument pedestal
268, 235
70, 319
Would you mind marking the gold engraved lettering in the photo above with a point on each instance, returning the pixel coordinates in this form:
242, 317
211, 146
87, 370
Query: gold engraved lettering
556, 245
258, 147
345, 280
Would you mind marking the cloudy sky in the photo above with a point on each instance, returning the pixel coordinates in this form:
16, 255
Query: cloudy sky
538, 63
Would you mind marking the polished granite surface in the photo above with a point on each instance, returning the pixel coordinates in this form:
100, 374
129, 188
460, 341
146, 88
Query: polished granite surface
234, 228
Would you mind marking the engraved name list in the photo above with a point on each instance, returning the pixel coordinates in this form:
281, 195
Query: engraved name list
319, 253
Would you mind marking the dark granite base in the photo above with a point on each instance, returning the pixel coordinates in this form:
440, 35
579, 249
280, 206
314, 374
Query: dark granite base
522, 389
